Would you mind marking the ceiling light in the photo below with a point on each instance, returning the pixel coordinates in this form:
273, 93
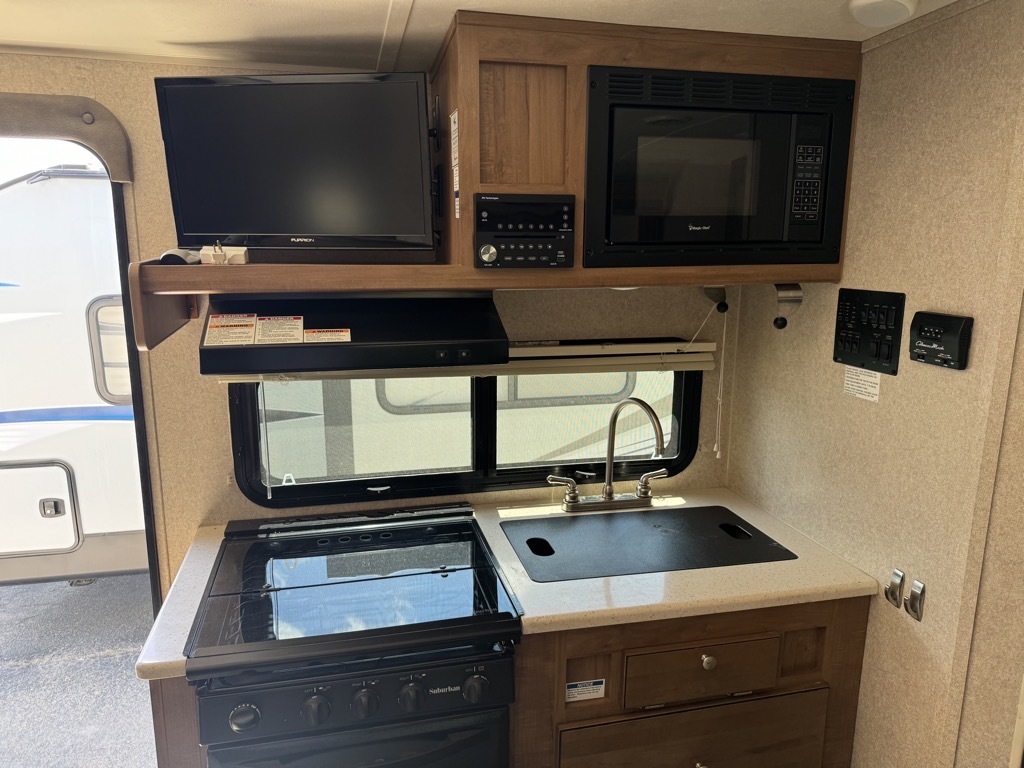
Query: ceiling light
882, 13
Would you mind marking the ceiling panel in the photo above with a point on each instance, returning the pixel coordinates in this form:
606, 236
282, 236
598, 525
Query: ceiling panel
368, 34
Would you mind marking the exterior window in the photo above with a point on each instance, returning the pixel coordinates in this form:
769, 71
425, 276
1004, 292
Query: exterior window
308, 442
109, 350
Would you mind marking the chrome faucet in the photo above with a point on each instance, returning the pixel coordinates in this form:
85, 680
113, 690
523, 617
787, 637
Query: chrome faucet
572, 502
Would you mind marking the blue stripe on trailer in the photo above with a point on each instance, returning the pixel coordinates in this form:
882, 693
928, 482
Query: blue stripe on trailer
9, 285
72, 413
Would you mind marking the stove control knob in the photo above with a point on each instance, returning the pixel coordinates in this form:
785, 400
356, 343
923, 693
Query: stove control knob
315, 710
412, 697
364, 703
243, 718
475, 689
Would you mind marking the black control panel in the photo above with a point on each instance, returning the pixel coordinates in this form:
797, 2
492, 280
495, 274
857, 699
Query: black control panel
346, 700
810, 158
869, 329
942, 340
524, 231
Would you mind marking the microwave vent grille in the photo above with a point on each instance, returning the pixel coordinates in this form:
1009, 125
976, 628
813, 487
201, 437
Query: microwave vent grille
683, 88
622, 85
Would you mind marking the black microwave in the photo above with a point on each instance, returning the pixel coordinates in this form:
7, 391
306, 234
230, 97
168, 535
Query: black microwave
706, 168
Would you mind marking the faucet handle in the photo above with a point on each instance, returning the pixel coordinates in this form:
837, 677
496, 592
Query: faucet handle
571, 494
643, 487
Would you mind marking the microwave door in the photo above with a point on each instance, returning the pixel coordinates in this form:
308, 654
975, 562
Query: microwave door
694, 176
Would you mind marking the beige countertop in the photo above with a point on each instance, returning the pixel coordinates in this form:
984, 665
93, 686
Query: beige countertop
815, 575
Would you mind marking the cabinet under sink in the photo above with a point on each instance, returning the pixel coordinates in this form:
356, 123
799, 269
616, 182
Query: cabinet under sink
586, 546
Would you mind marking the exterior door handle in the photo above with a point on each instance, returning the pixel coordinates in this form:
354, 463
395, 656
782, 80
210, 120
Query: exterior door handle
51, 507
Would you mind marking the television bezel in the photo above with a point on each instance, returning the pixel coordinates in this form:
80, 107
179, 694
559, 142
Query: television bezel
302, 241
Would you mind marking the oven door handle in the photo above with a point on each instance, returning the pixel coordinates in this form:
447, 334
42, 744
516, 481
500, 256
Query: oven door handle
452, 746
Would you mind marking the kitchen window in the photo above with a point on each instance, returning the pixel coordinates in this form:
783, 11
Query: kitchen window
336, 440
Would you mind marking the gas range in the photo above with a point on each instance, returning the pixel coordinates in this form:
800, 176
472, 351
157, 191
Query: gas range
327, 627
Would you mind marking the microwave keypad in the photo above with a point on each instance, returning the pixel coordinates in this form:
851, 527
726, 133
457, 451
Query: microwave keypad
806, 204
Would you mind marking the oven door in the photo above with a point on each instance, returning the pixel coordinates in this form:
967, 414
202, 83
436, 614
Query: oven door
679, 175
476, 740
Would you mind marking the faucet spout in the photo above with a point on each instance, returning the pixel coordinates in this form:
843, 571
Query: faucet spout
607, 492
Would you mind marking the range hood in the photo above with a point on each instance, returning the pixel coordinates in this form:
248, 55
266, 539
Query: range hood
256, 336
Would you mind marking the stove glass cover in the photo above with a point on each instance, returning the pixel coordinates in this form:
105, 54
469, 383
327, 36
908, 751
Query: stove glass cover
338, 581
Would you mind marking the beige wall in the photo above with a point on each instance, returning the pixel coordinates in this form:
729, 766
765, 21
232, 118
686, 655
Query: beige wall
906, 482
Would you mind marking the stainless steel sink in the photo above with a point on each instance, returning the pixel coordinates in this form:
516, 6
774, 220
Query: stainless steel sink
564, 548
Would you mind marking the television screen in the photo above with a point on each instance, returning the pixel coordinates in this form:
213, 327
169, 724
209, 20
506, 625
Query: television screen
298, 161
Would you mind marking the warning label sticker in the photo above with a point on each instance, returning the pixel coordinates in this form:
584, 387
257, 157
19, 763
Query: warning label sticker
862, 384
279, 330
321, 335
230, 330
584, 689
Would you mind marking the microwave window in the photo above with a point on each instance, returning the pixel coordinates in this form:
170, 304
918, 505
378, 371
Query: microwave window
684, 176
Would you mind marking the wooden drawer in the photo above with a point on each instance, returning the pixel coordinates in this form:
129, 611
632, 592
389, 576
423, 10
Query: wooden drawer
682, 674
783, 731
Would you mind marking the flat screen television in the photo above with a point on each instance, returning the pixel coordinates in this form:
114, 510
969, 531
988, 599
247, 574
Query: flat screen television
334, 166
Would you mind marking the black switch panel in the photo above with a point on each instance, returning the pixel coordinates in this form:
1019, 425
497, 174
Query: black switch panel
869, 329
941, 339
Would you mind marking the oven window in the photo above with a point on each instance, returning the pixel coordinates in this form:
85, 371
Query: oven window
318, 442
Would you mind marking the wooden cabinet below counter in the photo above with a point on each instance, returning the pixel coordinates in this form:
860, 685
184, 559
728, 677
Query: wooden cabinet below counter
782, 731
768, 687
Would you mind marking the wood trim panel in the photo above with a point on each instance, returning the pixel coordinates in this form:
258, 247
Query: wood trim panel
158, 278
176, 724
155, 317
522, 124
536, 24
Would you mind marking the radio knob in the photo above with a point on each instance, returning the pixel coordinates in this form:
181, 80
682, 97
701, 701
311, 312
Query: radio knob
475, 689
243, 718
488, 253
364, 703
412, 697
315, 710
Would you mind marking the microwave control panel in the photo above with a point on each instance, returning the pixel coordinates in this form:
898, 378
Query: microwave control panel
810, 158
523, 231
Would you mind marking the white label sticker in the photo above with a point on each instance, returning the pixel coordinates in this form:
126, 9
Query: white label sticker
333, 335
279, 330
453, 119
230, 330
584, 689
862, 384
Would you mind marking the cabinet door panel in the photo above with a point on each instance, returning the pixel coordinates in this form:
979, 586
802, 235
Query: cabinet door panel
785, 731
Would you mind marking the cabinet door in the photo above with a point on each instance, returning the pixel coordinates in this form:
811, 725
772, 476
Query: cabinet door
785, 731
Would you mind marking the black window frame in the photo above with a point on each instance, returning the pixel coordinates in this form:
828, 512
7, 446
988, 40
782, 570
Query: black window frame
245, 444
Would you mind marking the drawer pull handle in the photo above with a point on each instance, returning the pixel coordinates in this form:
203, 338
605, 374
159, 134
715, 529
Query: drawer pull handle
708, 662
701, 765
